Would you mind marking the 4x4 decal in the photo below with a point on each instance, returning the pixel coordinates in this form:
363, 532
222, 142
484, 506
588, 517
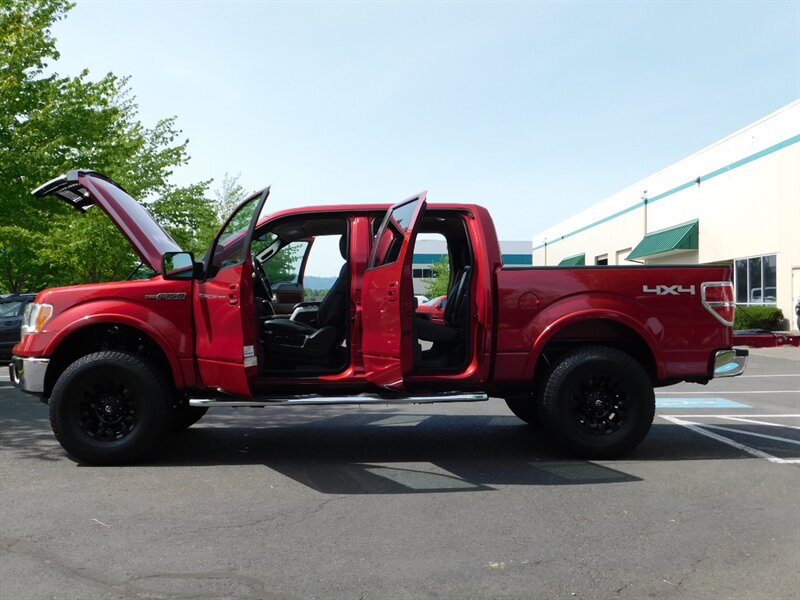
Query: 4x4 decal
669, 290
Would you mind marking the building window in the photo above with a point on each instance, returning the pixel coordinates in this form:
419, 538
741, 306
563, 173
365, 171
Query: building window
601, 260
422, 273
755, 280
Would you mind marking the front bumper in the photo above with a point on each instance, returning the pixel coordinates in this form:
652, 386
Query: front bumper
730, 363
27, 374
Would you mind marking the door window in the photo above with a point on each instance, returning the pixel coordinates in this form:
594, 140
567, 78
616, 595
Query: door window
282, 264
387, 248
229, 247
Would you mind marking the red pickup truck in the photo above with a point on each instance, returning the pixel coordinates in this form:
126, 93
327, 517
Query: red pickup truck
575, 351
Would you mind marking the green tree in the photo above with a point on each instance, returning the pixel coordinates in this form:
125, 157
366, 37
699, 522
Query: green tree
187, 215
50, 124
228, 195
438, 284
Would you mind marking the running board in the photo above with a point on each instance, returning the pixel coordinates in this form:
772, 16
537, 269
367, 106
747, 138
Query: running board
359, 399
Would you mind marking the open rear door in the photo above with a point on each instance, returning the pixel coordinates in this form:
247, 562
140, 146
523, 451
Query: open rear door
224, 306
387, 299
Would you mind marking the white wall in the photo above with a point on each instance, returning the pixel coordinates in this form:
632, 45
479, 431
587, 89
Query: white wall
747, 203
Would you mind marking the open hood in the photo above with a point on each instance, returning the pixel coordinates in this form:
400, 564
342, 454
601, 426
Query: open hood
81, 189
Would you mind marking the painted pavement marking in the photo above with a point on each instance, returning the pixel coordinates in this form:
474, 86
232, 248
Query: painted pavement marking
703, 429
778, 416
732, 392
771, 376
401, 421
698, 403
750, 433
767, 423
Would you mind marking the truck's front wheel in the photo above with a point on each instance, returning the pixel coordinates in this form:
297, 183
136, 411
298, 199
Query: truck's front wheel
109, 408
598, 402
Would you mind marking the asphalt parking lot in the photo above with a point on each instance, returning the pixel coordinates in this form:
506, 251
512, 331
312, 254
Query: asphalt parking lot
441, 501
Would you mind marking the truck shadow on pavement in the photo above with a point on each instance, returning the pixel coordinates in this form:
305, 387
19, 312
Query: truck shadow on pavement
380, 452
385, 453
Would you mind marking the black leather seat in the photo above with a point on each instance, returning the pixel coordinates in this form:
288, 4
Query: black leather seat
300, 341
454, 312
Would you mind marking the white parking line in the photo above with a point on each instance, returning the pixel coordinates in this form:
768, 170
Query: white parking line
771, 376
744, 420
698, 428
706, 416
725, 393
751, 433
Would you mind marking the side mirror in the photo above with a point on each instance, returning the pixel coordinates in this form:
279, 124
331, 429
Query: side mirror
178, 265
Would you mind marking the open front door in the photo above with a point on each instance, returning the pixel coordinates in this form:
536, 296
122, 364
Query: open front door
387, 304
227, 346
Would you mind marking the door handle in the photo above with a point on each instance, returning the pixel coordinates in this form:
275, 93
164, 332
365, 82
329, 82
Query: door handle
233, 294
392, 294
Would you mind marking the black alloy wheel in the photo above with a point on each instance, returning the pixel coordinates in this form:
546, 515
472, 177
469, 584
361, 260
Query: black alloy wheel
110, 408
107, 411
601, 404
598, 402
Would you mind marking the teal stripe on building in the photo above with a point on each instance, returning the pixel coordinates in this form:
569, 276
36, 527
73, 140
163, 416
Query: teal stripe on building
517, 259
680, 188
508, 259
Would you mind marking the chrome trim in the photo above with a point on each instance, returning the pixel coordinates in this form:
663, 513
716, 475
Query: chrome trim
359, 399
27, 374
730, 363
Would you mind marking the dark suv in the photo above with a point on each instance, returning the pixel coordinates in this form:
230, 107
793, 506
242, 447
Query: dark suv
11, 310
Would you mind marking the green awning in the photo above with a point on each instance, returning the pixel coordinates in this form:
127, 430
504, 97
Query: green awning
573, 261
673, 240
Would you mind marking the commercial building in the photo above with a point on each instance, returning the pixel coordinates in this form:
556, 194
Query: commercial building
736, 202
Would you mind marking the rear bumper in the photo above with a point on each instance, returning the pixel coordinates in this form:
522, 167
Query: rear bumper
27, 374
730, 363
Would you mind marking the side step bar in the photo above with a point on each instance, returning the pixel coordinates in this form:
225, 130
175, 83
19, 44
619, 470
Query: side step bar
358, 399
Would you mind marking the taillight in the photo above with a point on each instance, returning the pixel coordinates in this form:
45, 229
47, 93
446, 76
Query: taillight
717, 297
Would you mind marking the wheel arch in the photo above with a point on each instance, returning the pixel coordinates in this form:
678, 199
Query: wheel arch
111, 334
595, 328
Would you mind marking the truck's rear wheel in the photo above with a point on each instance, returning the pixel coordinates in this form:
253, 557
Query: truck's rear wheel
109, 408
598, 402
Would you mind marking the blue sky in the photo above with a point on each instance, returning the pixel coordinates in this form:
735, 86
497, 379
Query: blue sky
535, 110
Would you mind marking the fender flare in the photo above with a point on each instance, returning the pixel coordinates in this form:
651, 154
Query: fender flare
605, 314
128, 321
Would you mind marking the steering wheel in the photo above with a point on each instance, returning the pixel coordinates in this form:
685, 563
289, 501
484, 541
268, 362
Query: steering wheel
262, 282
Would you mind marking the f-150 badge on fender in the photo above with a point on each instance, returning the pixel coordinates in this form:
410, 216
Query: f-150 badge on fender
668, 290
166, 296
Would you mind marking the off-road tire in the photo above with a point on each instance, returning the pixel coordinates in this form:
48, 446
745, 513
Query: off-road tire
109, 408
598, 402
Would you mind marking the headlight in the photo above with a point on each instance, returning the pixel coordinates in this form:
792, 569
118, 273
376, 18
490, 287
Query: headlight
36, 315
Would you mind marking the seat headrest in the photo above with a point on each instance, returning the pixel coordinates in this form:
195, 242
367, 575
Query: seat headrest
343, 246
